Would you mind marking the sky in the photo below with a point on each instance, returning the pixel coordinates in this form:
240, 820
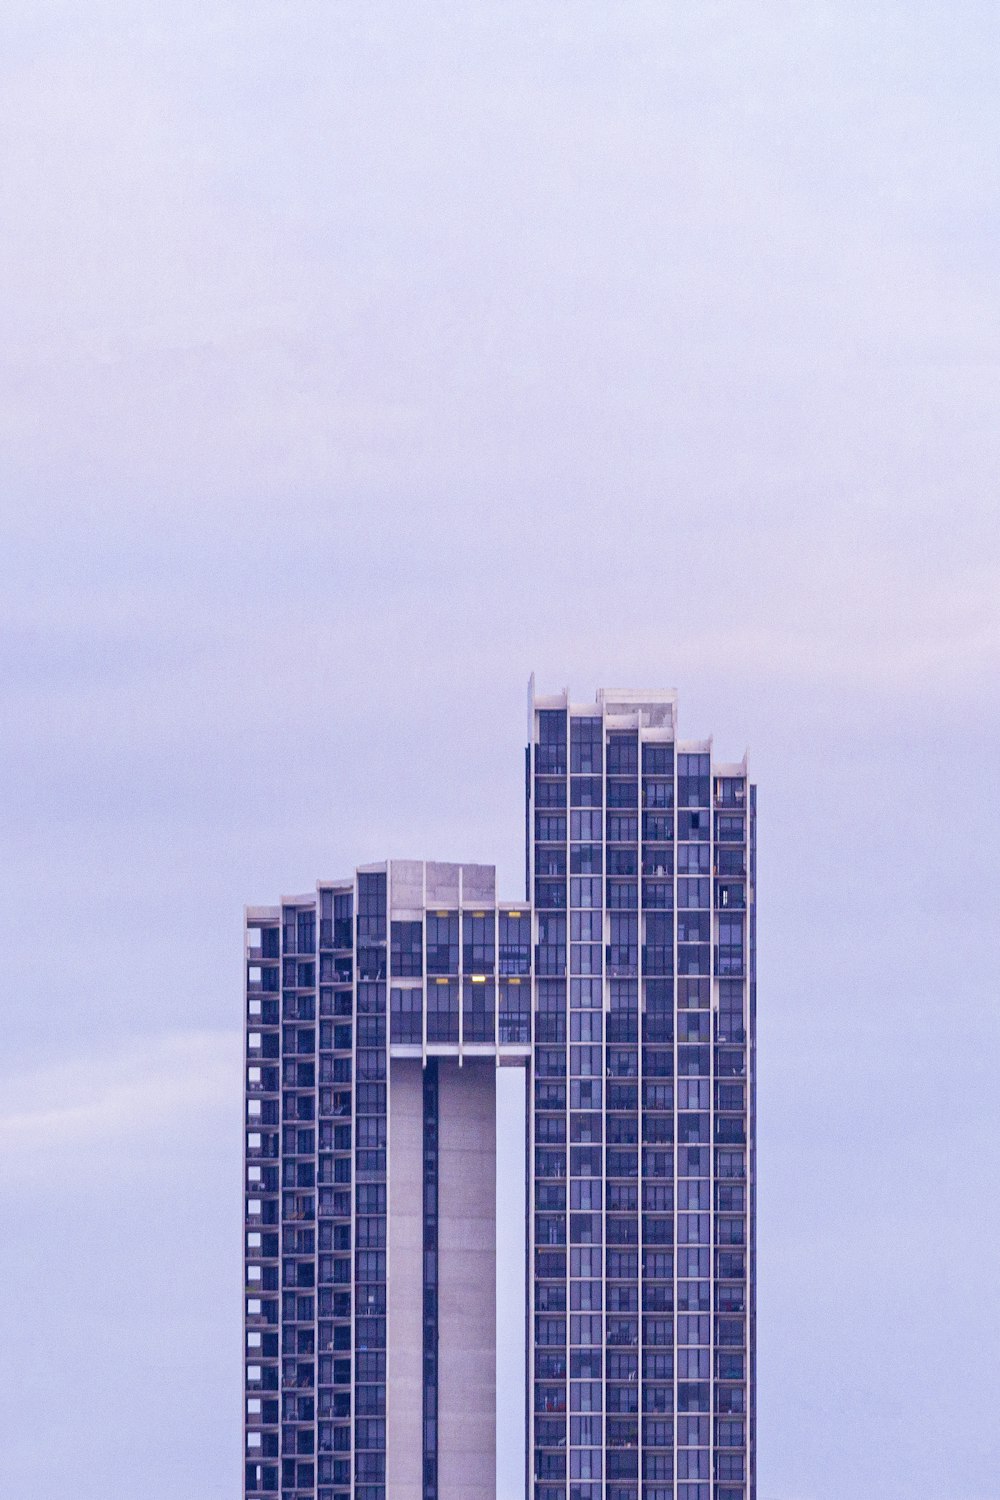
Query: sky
355, 362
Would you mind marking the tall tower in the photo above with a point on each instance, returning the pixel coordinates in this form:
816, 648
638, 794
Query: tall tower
641, 1111
377, 1011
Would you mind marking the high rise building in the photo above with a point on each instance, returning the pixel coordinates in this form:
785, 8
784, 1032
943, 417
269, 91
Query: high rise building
641, 1116
378, 1009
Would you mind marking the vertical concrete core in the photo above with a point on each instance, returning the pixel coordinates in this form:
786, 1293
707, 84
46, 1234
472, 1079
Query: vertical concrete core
404, 1363
467, 1281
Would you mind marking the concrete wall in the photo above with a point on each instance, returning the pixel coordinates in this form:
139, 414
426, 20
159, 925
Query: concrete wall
467, 1282
404, 1393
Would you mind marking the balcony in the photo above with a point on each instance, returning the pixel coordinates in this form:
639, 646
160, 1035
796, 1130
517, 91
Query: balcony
622, 961
261, 1212
730, 862
515, 1030
730, 962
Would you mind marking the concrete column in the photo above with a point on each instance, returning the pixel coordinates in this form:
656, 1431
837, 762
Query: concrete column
467, 1282
404, 1360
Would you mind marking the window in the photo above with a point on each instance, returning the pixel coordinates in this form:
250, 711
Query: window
623, 895
730, 1021
585, 994
550, 1095
623, 1197
730, 1332
585, 827
586, 926
730, 861
515, 1010
584, 1093
549, 1331
442, 942
406, 1015
478, 1001
730, 1265
585, 891
657, 794
550, 828
729, 1365
657, 895
623, 753
585, 1161
442, 1011
515, 942
730, 1231
693, 858
585, 791
550, 859
623, 828
730, 895
550, 1062
693, 1093
623, 793
692, 1463
657, 759
585, 1296
730, 1164
694, 1229
623, 1265
586, 1062
549, 1163
550, 793
729, 829
693, 926
622, 860
692, 1128
693, 825
694, 892
550, 751
730, 929
657, 827
585, 1328
586, 1026
693, 1263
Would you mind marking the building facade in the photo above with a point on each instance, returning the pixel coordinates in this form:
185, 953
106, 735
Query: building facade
378, 1009
641, 1115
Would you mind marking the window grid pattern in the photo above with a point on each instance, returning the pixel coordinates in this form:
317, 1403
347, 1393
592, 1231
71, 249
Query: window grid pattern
336, 1169
298, 1202
640, 1117
324, 1007
371, 1062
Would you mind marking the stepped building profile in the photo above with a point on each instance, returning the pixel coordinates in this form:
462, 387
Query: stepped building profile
378, 1010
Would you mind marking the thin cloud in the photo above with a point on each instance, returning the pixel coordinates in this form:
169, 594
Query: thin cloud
131, 1099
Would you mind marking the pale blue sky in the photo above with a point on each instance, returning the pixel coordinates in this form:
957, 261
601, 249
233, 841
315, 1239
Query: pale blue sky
354, 362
